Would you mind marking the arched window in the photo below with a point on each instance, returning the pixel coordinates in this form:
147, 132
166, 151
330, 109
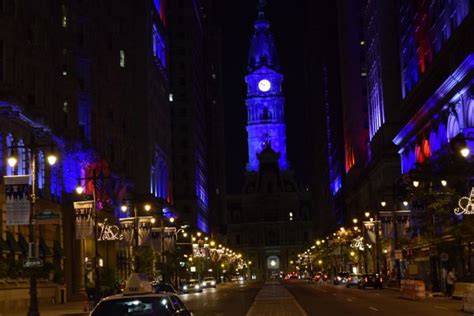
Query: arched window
453, 126
40, 172
9, 142
21, 157
425, 147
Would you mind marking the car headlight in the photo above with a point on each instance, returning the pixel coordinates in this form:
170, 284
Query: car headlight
196, 286
203, 284
185, 287
213, 282
339, 278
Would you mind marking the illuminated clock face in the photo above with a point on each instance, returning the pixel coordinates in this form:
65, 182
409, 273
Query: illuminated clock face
264, 85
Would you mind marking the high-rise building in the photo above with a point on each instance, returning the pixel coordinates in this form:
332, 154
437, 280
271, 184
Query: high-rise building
325, 137
77, 72
436, 69
197, 128
353, 78
270, 221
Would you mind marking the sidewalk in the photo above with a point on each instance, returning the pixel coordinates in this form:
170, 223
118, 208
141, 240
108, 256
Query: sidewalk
69, 309
275, 300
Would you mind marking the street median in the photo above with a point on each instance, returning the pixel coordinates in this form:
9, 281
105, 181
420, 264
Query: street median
275, 300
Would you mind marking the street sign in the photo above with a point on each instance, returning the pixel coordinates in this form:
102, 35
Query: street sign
33, 263
47, 218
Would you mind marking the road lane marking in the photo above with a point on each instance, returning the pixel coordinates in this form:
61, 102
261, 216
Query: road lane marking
350, 300
373, 308
440, 307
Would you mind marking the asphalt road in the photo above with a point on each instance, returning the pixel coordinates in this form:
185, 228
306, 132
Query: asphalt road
330, 300
228, 299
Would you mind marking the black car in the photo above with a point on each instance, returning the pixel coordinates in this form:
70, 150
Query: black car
163, 287
341, 278
371, 280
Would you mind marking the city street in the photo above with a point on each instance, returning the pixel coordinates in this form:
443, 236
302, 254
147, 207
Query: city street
329, 300
227, 299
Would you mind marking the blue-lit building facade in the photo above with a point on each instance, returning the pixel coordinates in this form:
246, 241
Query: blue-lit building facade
436, 67
270, 221
79, 79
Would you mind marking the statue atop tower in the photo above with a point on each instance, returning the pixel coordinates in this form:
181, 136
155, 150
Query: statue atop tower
265, 101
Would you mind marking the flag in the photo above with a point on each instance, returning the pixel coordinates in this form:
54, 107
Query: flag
84, 219
17, 189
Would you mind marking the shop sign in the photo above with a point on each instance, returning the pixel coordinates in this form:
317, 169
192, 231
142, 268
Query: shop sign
466, 205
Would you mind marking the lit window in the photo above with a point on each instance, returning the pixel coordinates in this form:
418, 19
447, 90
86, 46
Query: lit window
171, 97
64, 16
65, 107
362, 43
122, 58
363, 74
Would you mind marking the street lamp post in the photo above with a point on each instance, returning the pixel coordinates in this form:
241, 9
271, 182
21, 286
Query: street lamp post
80, 190
136, 230
33, 307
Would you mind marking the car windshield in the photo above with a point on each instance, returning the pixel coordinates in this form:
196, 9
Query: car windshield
143, 306
191, 282
209, 279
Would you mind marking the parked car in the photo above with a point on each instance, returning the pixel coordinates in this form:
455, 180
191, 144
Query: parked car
371, 280
353, 279
341, 278
208, 282
138, 299
163, 287
192, 286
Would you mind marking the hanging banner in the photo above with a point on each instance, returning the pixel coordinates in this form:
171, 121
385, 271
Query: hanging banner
144, 230
84, 219
169, 241
18, 206
127, 226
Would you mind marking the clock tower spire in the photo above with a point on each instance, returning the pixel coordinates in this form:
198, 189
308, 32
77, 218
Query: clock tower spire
265, 102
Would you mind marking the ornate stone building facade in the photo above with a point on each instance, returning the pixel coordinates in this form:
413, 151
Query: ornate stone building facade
270, 222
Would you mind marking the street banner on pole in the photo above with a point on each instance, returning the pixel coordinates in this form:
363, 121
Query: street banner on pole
84, 219
18, 205
127, 225
144, 230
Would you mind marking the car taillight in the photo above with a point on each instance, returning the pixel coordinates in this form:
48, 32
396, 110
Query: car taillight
350, 279
381, 280
366, 279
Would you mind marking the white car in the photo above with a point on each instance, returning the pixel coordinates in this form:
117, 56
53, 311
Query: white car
138, 299
208, 282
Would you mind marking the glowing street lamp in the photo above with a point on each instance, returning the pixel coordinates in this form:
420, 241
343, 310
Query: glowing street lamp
416, 183
12, 161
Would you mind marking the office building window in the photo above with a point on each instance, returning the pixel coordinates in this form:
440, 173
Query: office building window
122, 58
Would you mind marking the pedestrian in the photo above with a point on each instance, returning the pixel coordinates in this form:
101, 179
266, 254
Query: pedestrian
450, 281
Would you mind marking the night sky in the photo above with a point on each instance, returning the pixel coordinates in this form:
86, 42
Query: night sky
287, 25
